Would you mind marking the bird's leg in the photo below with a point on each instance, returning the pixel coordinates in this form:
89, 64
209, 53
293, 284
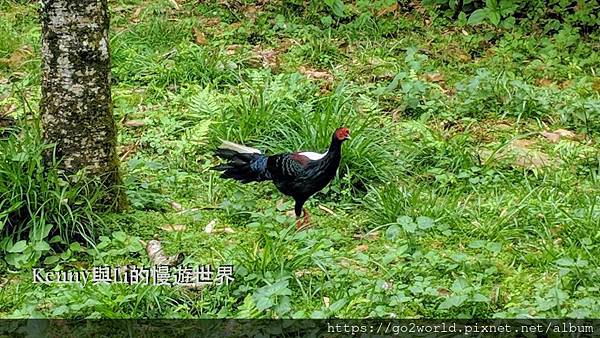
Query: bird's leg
301, 222
306, 220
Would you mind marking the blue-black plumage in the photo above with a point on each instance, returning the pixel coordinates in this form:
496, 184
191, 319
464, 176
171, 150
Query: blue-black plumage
299, 175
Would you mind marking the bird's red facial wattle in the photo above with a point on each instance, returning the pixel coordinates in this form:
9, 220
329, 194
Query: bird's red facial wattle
342, 134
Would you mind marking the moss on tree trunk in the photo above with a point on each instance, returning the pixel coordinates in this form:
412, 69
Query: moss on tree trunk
76, 105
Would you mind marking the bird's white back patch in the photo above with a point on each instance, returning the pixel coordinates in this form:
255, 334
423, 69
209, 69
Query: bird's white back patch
239, 148
313, 156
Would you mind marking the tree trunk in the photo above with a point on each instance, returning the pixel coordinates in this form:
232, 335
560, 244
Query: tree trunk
76, 105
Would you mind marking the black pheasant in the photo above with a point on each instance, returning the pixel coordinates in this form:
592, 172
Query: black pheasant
299, 175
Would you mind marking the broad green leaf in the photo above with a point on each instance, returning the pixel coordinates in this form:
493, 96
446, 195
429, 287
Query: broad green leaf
337, 7
284, 306
317, 315
276, 289
327, 20
41, 232
404, 220
263, 302
410, 227
55, 239
491, 3
494, 247
459, 284
51, 260
478, 16
494, 17
135, 245
565, 261
75, 247
392, 232
452, 301
338, 305
424, 222
41, 246
20, 246
459, 257
478, 297
509, 22
477, 244
120, 236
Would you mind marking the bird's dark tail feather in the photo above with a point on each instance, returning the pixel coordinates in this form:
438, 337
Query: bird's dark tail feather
241, 166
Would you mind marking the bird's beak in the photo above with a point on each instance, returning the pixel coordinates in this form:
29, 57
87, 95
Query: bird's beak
348, 137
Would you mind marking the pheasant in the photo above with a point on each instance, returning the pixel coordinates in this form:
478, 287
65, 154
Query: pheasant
299, 174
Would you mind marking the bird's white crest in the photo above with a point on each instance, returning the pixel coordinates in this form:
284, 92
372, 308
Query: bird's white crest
313, 156
239, 148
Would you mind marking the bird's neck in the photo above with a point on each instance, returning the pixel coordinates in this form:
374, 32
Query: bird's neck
335, 148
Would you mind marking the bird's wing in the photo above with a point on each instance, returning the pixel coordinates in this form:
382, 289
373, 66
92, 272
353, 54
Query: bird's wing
288, 165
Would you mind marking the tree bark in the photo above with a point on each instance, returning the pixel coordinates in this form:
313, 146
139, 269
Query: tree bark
76, 105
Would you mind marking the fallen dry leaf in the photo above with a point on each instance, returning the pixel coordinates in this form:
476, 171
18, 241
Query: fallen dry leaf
210, 226
533, 160
6, 122
7, 109
386, 10
522, 143
176, 206
227, 230
350, 264
463, 57
250, 12
231, 49
544, 82
558, 134
135, 16
552, 137
175, 4
306, 272
265, 58
209, 22
127, 150
185, 211
369, 236
526, 157
18, 57
596, 85
362, 248
434, 77
566, 84
521, 154
158, 257
565, 133
327, 210
235, 25
199, 37
173, 227
134, 123
315, 74
443, 292
326, 301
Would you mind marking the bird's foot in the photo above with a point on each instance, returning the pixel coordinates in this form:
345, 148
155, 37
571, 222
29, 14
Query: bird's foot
304, 222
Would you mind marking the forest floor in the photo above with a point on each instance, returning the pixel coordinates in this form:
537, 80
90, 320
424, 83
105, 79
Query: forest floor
471, 187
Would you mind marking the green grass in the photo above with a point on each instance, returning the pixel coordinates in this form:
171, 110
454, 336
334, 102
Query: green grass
438, 209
